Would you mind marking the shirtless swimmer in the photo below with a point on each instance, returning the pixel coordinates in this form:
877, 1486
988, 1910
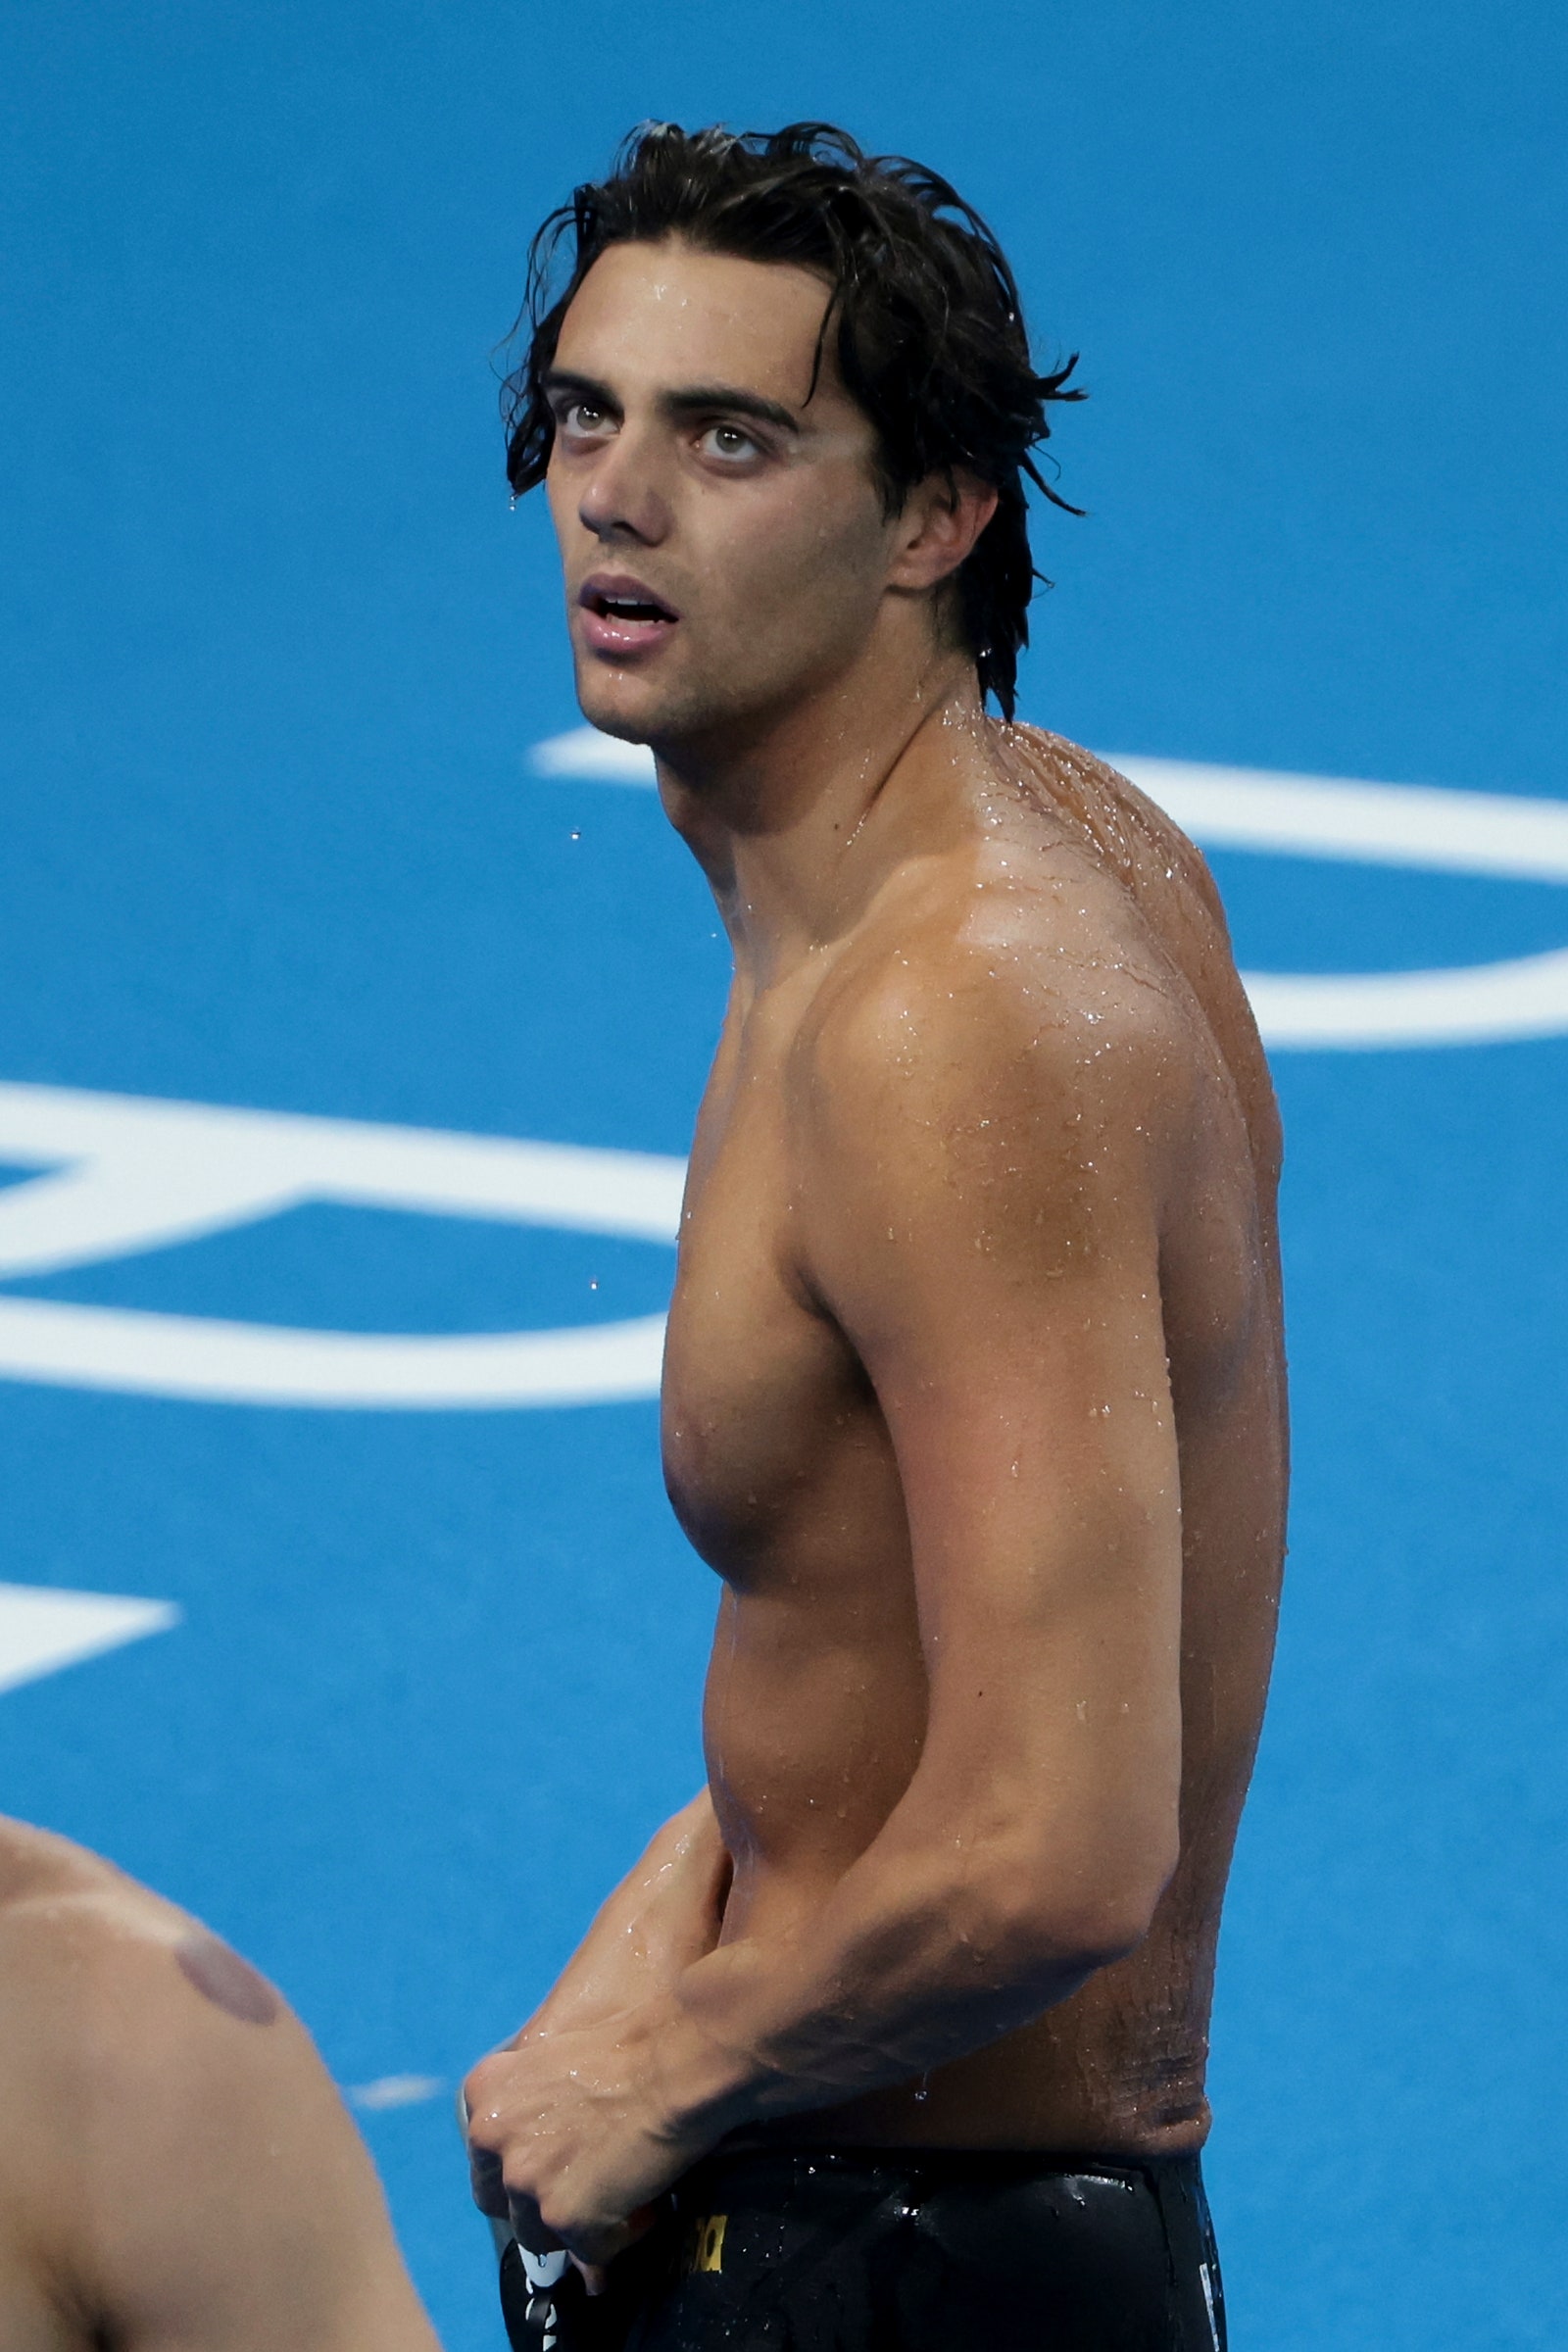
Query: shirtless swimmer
974, 1390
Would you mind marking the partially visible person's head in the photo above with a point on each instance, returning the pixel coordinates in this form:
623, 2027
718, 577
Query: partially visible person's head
867, 303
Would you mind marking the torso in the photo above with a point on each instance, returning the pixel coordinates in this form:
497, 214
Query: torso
780, 1467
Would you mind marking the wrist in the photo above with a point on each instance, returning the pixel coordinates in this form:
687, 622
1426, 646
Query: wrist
703, 2088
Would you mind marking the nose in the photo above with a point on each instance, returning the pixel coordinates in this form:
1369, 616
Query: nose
622, 498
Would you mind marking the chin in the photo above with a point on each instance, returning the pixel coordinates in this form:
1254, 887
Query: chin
638, 709
623, 705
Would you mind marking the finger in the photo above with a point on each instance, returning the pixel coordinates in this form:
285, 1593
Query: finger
482, 2085
488, 2189
528, 2226
594, 2250
596, 2245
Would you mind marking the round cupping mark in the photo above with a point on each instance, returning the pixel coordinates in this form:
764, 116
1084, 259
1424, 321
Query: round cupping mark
223, 1977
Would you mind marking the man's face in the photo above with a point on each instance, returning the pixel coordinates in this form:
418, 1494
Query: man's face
724, 545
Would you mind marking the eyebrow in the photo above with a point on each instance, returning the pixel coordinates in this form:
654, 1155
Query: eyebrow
685, 400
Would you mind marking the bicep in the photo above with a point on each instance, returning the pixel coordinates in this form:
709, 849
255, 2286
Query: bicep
993, 1259
1034, 1443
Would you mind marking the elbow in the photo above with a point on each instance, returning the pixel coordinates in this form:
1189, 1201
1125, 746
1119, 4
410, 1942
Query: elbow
1082, 1937
1057, 1944
1054, 1925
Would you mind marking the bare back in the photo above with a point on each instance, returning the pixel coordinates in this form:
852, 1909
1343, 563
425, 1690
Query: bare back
1046, 881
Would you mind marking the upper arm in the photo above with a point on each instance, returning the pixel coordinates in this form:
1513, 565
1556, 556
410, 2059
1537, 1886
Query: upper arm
225, 2198
992, 1150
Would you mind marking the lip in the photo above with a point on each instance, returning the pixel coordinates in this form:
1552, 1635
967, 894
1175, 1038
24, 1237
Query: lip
620, 632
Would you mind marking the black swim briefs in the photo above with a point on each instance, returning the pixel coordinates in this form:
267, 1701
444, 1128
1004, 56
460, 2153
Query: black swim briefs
908, 2250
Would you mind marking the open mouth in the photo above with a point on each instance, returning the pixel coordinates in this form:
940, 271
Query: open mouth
627, 608
622, 616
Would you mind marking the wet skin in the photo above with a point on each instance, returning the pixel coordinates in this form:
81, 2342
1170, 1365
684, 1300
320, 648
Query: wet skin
974, 1390
1098, 1247
175, 2169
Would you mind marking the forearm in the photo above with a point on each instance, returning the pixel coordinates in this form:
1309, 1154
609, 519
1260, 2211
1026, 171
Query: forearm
922, 1953
663, 1917
944, 1936
938, 1940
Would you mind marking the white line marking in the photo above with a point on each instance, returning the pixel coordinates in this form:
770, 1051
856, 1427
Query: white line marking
600, 758
141, 1173
1470, 1005
129, 1173
1497, 834
395, 2090
1365, 824
43, 1630
144, 1174
211, 1361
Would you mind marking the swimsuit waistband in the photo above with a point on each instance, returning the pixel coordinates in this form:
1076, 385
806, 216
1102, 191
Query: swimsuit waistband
763, 2172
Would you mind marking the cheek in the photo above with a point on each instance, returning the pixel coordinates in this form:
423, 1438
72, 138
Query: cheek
561, 501
810, 569
567, 486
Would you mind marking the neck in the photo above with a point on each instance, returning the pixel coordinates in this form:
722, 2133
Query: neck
796, 819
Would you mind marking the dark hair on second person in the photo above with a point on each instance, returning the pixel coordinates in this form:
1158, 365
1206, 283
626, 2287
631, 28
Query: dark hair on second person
927, 325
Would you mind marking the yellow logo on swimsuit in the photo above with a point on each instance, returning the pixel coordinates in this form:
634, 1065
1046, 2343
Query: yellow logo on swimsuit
707, 2248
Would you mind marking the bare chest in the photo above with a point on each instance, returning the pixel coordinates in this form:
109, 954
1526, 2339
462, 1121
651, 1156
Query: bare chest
770, 1426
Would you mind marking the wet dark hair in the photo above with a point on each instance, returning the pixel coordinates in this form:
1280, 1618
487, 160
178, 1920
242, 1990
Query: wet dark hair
927, 325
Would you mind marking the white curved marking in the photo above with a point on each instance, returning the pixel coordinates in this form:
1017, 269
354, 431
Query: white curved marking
1383, 825
1365, 824
143, 1174
395, 2090
1321, 816
602, 758
43, 1629
1474, 1004
208, 1360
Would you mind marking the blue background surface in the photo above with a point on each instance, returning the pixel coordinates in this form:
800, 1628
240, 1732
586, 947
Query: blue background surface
275, 650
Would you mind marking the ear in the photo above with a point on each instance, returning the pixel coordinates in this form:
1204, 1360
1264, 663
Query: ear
937, 528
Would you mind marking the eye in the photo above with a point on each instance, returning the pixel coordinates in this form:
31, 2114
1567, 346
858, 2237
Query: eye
582, 418
729, 442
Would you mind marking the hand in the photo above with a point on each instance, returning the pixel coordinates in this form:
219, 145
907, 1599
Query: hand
577, 2128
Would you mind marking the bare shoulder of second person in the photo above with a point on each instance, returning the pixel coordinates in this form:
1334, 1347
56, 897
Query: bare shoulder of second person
178, 2157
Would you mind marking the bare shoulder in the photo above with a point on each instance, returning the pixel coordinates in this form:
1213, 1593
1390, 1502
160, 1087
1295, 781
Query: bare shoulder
1035, 1048
34, 1860
1167, 886
1127, 833
176, 2152
79, 1936
110, 1998
1012, 977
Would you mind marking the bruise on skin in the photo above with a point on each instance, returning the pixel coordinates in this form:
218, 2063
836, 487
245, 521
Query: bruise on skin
221, 1975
